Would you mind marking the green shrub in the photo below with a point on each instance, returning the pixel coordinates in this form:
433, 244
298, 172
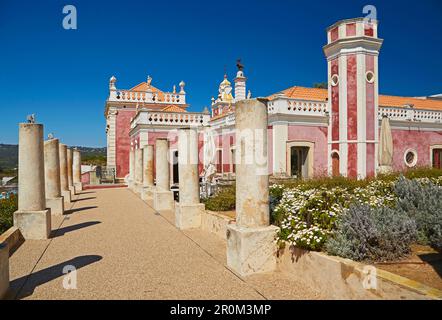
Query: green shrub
423, 203
7, 209
365, 233
223, 200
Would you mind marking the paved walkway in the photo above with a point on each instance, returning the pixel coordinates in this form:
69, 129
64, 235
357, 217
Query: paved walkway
123, 249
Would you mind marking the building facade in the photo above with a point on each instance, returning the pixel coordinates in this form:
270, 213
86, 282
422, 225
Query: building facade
311, 131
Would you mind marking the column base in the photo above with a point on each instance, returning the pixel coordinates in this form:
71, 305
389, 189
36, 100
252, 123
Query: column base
137, 188
163, 200
4, 270
188, 216
130, 184
78, 187
251, 250
34, 225
66, 194
56, 205
72, 190
147, 193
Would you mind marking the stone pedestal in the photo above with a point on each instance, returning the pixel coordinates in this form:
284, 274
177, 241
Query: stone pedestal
250, 246
64, 183
131, 180
4, 270
34, 225
56, 205
148, 183
147, 193
162, 196
77, 171
67, 196
32, 218
189, 210
163, 200
251, 250
188, 216
54, 200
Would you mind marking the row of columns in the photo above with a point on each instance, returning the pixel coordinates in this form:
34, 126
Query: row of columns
250, 241
49, 175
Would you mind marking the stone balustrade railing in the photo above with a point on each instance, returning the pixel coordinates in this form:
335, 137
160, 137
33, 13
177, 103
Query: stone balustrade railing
297, 107
410, 114
170, 119
147, 97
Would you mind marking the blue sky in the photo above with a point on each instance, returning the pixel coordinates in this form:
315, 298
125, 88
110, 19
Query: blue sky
62, 75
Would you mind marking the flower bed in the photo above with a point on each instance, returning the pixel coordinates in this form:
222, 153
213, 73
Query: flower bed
361, 220
7, 209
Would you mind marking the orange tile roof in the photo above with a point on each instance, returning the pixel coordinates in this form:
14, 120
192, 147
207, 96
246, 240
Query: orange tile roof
173, 108
394, 101
143, 87
316, 94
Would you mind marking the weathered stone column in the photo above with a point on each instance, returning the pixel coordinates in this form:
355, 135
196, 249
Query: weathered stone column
188, 211
250, 242
131, 168
4, 270
70, 162
77, 171
148, 186
138, 171
54, 200
162, 196
64, 182
32, 217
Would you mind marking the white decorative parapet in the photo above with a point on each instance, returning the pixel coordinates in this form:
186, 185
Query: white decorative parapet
146, 97
410, 114
297, 107
170, 118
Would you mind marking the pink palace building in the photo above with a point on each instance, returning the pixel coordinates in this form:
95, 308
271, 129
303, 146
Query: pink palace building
311, 132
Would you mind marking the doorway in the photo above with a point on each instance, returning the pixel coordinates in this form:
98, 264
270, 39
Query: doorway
175, 171
335, 164
437, 158
298, 162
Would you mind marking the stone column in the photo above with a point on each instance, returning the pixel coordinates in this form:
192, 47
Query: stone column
4, 269
77, 171
54, 200
188, 211
148, 185
138, 171
70, 162
32, 217
131, 168
64, 182
250, 242
162, 196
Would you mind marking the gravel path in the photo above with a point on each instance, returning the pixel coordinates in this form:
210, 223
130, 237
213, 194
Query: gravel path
122, 249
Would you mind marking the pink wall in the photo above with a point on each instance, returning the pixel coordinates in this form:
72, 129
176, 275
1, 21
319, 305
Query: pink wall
123, 141
317, 135
417, 140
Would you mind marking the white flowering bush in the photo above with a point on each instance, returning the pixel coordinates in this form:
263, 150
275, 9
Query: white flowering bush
307, 213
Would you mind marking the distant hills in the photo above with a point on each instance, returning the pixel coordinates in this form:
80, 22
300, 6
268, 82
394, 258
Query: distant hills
9, 156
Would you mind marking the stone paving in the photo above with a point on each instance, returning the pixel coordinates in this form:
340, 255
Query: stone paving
123, 249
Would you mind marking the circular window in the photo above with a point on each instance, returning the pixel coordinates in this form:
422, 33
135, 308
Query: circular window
410, 157
369, 76
334, 80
